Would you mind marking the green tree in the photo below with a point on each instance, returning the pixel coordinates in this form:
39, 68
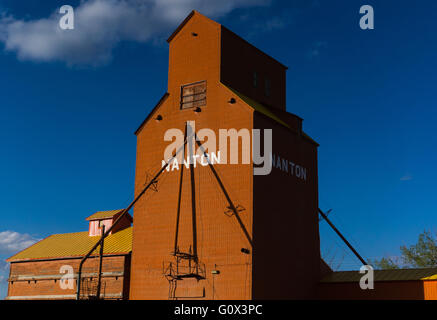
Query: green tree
423, 254
384, 264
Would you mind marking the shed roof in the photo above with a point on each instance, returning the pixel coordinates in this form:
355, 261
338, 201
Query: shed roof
75, 245
99, 215
383, 275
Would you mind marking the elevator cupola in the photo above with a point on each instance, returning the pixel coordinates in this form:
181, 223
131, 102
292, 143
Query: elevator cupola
107, 219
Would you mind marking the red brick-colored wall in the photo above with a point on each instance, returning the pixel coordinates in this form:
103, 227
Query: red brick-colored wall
219, 237
47, 283
124, 223
286, 235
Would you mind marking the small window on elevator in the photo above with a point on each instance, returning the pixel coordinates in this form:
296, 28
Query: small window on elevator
193, 95
268, 87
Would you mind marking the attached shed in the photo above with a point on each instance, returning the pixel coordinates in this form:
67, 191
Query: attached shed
397, 284
40, 272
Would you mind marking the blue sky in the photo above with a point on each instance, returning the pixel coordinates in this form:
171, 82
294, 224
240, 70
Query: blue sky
68, 111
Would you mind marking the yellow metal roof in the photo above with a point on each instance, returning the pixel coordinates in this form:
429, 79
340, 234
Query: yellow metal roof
383, 275
75, 244
103, 214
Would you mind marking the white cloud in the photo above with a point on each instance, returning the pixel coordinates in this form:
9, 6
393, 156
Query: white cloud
406, 177
12, 242
4, 273
100, 25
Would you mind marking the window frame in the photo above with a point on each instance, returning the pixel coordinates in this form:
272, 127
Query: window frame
195, 102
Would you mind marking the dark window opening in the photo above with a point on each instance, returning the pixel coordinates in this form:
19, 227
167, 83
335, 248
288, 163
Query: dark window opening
255, 79
268, 86
193, 95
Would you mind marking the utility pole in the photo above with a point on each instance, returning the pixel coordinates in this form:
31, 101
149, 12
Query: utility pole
99, 282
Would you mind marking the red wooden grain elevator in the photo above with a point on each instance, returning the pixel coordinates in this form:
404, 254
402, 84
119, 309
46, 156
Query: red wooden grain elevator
273, 251
220, 231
